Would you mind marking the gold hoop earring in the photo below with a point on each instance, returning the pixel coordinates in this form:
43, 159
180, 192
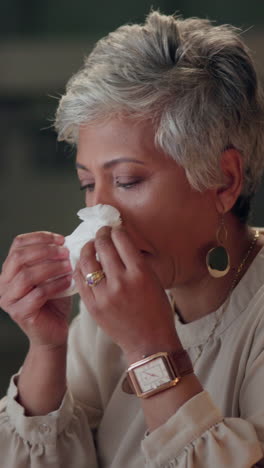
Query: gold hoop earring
217, 258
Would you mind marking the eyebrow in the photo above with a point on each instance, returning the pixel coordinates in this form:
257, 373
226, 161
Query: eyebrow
113, 162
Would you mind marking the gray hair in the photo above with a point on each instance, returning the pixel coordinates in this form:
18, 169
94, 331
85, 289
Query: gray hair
195, 81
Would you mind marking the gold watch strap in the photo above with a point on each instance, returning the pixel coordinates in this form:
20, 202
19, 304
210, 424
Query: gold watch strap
180, 362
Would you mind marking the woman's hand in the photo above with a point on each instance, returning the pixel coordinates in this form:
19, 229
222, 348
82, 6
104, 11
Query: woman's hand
25, 293
129, 303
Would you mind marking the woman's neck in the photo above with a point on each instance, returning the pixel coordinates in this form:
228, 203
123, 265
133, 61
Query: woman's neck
206, 295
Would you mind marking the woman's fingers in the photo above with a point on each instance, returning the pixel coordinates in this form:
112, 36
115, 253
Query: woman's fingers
36, 270
36, 298
88, 263
30, 246
30, 255
116, 253
27, 250
107, 253
38, 237
29, 277
125, 247
127, 252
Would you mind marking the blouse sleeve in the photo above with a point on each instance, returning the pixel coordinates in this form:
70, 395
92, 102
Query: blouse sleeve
62, 438
50, 441
197, 436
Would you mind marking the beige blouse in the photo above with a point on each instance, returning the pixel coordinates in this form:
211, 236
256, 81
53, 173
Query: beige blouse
99, 426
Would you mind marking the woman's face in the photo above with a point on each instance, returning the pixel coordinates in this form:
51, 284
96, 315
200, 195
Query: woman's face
171, 223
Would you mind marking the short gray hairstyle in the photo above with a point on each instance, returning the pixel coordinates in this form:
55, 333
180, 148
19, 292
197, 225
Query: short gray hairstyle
195, 81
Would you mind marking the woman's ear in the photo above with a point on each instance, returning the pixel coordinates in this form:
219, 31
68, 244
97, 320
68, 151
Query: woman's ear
232, 168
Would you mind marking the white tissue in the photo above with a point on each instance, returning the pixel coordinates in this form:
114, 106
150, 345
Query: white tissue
93, 218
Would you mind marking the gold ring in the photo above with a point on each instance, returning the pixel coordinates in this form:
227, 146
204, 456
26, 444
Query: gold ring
92, 279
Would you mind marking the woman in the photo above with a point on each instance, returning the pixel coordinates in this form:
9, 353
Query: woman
168, 121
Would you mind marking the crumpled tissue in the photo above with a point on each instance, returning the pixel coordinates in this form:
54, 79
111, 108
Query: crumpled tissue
93, 218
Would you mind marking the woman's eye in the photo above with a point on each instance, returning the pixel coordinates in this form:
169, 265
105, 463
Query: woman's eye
88, 187
127, 184
122, 183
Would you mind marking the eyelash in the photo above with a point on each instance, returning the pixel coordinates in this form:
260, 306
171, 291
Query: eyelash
127, 186
87, 187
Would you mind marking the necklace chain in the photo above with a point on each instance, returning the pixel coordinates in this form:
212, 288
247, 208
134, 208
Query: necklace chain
233, 285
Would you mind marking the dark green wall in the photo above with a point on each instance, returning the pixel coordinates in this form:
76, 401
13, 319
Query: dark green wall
82, 17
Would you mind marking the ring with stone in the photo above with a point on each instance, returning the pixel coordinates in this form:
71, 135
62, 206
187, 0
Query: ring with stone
92, 279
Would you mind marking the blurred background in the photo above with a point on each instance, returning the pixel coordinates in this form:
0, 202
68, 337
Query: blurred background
41, 45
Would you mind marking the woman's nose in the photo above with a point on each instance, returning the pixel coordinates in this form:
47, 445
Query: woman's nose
99, 196
104, 197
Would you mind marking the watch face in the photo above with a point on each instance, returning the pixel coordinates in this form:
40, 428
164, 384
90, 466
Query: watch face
152, 374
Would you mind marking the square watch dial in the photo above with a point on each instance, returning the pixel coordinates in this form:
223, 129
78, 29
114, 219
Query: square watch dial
152, 375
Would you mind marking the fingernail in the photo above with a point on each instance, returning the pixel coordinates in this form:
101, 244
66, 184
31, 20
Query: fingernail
66, 264
59, 238
63, 252
104, 230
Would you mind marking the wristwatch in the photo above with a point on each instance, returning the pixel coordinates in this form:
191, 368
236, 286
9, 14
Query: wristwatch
156, 373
